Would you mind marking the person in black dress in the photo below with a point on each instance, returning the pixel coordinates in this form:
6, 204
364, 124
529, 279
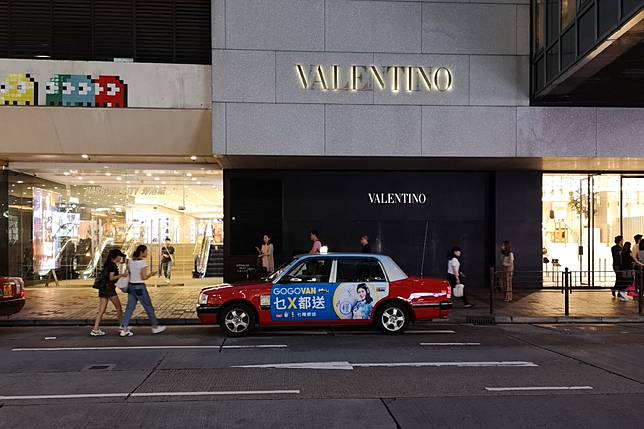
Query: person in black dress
108, 290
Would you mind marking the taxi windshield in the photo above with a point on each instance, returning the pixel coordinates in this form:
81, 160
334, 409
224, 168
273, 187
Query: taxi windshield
275, 274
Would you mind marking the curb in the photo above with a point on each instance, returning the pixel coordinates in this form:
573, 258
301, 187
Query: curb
90, 322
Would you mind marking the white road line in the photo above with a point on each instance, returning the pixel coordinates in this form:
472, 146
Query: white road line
64, 349
532, 388
450, 344
350, 366
152, 394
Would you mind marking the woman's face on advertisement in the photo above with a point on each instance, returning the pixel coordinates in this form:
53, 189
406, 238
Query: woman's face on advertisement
362, 294
266, 239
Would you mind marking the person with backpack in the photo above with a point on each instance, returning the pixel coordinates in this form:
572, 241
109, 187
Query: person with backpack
106, 285
137, 292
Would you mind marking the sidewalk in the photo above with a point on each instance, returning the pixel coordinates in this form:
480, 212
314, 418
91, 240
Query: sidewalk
176, 305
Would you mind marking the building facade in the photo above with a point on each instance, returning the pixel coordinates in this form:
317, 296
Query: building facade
424, 125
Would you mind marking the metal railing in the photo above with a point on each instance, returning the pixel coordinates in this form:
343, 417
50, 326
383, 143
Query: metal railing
568, 281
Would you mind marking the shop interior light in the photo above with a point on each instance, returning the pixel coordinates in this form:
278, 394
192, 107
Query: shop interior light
193, 157
108, 174
85, 156
189, 174
80, 177
120, 178
21, 181
156, 178
66, 173
148, 174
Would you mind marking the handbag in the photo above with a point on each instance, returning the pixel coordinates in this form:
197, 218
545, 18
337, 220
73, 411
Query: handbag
632, 291
123, 282
100, 282
458, 290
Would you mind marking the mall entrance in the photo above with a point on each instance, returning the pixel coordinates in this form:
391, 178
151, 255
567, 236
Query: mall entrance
582, 214
63, 220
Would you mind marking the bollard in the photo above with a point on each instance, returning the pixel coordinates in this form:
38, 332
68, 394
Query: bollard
640, 283
566, 292
492, 278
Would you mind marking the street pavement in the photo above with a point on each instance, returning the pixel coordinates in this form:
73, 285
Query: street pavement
434, 376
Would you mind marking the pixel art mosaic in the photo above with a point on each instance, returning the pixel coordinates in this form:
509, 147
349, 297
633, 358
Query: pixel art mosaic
69, 90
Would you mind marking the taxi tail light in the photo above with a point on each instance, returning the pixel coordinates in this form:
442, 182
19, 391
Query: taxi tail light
448, 292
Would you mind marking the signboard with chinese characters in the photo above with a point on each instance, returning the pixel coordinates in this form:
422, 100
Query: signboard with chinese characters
326, 301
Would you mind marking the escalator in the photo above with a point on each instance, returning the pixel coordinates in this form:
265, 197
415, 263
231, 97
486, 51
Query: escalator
215, 265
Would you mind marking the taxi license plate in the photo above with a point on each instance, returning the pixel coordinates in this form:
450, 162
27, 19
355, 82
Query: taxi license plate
7, 291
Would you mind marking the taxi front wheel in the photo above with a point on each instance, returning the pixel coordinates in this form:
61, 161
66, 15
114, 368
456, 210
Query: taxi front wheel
393, 318
237, 320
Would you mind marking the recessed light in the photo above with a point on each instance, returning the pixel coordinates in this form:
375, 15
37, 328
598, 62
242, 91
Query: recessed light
148, 174
21, 181
85, 156
164, 183
189, 174
198, 183
193, 157
156, 178
193, 179
66, 173
120, 178
80, 177
108, 174
92, 182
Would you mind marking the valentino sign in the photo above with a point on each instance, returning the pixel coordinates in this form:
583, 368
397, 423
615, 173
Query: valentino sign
397, 198
393, 78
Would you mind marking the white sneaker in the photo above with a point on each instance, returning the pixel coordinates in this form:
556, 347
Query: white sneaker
623, 297
126, 333
158, 329
96, 333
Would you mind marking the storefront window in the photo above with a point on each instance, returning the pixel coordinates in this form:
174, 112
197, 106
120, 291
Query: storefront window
568, 10
539, 24
65, 221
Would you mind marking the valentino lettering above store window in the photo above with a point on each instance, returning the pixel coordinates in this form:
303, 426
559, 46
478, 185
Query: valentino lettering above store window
393, 78
397, 198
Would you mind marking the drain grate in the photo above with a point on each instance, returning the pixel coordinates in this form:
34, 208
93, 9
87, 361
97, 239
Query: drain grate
101, 367
480, 320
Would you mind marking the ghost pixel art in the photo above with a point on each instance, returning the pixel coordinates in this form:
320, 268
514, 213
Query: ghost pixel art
54, 89
111, 91
79, 92
19, 89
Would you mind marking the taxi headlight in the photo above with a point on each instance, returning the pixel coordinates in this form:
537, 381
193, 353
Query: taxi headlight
203, 298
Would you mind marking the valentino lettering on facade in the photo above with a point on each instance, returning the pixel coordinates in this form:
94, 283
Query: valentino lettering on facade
366, 78
396, 198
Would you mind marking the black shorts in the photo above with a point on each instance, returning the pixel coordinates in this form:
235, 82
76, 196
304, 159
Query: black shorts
108, 292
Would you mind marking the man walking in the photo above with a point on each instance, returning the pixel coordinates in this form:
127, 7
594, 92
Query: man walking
364, 241
167, 259
616, 251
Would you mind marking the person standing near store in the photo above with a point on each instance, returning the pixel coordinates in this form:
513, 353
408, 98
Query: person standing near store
454, 272
366, 247
167, 259
314, 236
616, 252
628, 264
137, 291
637, 238
266, 254
507, 265
107, 292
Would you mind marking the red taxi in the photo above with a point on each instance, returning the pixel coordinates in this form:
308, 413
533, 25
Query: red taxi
12, 295
327, 290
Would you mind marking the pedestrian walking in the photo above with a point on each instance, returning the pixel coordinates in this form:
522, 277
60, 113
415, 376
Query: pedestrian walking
364, 241
137, 291
314, 236
167, 259
616, 252
107, 289
454, 272
265, 254
507, 266
629, 263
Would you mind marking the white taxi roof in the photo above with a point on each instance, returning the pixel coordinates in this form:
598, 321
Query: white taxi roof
394, 272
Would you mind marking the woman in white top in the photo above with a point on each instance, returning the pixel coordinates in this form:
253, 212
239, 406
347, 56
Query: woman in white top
454, 271
137, 292
507, 265
266, 255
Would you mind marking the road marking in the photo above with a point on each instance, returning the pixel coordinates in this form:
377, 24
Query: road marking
346, 333
152, 394
50, 338
531, 388
450, 344
64, 349
350, 366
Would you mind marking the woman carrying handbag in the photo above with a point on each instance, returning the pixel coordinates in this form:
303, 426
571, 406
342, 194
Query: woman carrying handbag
454, 274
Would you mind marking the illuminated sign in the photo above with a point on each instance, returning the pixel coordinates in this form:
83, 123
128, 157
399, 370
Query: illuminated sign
394, 78
397, 198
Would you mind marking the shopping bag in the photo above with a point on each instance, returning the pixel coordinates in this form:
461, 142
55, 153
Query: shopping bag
632, 291
458, 290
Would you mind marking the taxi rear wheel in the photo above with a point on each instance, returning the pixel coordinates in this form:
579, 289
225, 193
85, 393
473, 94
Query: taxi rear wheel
237, 320
393, 318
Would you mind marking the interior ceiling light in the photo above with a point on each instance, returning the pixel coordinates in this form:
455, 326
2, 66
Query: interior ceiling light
80, 177
148, 174
189, 174
85, 156
108, 174
21, 181
156, 178
193, 179
66, 173
120, 178
193, 157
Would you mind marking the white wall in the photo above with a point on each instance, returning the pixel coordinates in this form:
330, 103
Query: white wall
260, 107
181, 86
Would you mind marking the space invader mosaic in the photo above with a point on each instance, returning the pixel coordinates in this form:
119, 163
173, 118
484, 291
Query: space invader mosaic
19, 89
69, 90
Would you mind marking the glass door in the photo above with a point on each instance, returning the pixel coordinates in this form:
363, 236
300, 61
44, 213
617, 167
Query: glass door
632, 208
